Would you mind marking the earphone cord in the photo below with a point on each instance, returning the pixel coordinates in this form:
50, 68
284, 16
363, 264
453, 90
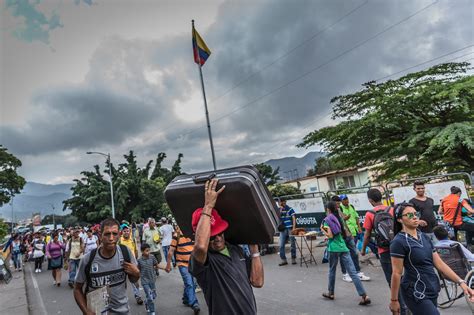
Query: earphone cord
420, 295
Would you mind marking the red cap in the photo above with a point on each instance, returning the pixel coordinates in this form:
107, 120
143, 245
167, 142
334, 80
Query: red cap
218, 225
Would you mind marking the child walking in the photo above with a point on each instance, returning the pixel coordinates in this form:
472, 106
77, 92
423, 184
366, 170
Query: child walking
147, 265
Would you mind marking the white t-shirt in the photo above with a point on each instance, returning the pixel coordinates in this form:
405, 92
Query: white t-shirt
90, 244
167, 234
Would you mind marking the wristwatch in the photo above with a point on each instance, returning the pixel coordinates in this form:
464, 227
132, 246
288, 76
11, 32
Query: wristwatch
461, 281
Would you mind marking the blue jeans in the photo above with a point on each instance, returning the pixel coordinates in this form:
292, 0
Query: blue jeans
150, 293
166, 250
354, 254
73, 265
16, 257
284, 236
386, 263
189, 293
136, 289
349, 265
425, 306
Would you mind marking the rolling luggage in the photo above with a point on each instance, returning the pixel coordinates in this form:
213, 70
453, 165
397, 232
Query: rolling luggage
245, 203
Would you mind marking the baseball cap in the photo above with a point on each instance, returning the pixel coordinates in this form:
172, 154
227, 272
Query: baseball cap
218, 224
343, 196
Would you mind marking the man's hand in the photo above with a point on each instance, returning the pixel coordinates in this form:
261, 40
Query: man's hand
168, 268
422, 223
363, 251
131, 269
210, 196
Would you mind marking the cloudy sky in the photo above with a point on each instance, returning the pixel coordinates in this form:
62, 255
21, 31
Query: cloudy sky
116, 75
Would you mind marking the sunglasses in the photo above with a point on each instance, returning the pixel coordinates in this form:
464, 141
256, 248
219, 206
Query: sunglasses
212, 238
411, 215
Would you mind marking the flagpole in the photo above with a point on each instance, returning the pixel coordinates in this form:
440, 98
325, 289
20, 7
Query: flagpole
205, 107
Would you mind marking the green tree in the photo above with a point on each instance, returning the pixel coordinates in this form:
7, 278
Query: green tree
279, 190
419, 124
270, 176
324, 165
138, 192
3, 229
10, 182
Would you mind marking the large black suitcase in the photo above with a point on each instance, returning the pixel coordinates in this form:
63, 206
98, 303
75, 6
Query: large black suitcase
245, 203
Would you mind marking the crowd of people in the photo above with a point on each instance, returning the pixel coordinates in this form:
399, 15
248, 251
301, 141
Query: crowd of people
403, 237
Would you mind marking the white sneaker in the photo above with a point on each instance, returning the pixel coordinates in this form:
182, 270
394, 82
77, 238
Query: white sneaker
39, 270
36, 270
54, 282
363, 277
346, 278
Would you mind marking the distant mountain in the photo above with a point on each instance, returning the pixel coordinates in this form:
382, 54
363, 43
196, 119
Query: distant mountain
36, 198
293, 167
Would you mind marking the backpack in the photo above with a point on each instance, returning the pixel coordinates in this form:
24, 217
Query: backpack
383, 227
87, 269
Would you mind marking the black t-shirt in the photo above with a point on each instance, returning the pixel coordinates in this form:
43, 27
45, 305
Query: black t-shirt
417, 259
426, 213
225, 282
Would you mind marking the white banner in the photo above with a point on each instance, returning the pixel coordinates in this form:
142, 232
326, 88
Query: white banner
308, 205
436, 191
359, 201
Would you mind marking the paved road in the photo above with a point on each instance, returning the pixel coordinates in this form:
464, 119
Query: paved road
287, 290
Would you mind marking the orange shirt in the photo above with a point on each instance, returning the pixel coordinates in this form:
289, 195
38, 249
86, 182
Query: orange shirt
450, 205
183, 249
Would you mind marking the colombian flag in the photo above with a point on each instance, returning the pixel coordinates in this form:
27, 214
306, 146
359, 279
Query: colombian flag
200, 49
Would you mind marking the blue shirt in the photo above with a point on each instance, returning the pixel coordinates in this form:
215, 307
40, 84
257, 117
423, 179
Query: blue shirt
286, 216
417, 259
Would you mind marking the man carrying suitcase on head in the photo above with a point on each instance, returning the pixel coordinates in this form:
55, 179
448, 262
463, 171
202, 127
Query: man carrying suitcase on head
223, 272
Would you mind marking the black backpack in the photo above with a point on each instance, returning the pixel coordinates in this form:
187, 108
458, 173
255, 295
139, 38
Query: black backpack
87, 269
383, 227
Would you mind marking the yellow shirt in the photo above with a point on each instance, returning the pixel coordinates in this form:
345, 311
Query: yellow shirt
129, 243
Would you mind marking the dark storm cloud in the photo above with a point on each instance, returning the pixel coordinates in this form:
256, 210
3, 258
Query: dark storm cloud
266, 114
77, 117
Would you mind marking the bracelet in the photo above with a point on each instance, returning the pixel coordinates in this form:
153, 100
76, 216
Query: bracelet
255, 255
206, 214
394, 300
461, 281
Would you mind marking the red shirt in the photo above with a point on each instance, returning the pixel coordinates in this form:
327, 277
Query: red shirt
369, 224
450, 205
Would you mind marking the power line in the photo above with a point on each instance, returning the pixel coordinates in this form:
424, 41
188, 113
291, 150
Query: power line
316, 68
276, 60
289, 51
428, 61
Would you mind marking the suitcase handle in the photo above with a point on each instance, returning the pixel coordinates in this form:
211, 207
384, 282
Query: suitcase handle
203, 178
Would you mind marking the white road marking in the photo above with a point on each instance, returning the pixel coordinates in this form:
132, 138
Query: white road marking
42, 308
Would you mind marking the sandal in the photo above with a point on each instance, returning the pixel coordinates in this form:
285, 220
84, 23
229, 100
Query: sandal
328, 296
365, 300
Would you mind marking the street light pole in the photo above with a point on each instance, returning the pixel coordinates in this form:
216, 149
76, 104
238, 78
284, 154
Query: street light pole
11, 205
54, 220
110, 175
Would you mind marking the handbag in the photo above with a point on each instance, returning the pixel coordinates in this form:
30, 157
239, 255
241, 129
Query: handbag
55, 262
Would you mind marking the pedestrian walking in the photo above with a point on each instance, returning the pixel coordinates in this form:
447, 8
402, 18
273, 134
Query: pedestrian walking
127, 239
350, 230
91, 242
39, 248
108, 265
337, 249
74, 252
147, 264
287, 224
15, 249
413, 255
183, 246
54, 252
151, 236
166, 231
380, 220
225, 275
